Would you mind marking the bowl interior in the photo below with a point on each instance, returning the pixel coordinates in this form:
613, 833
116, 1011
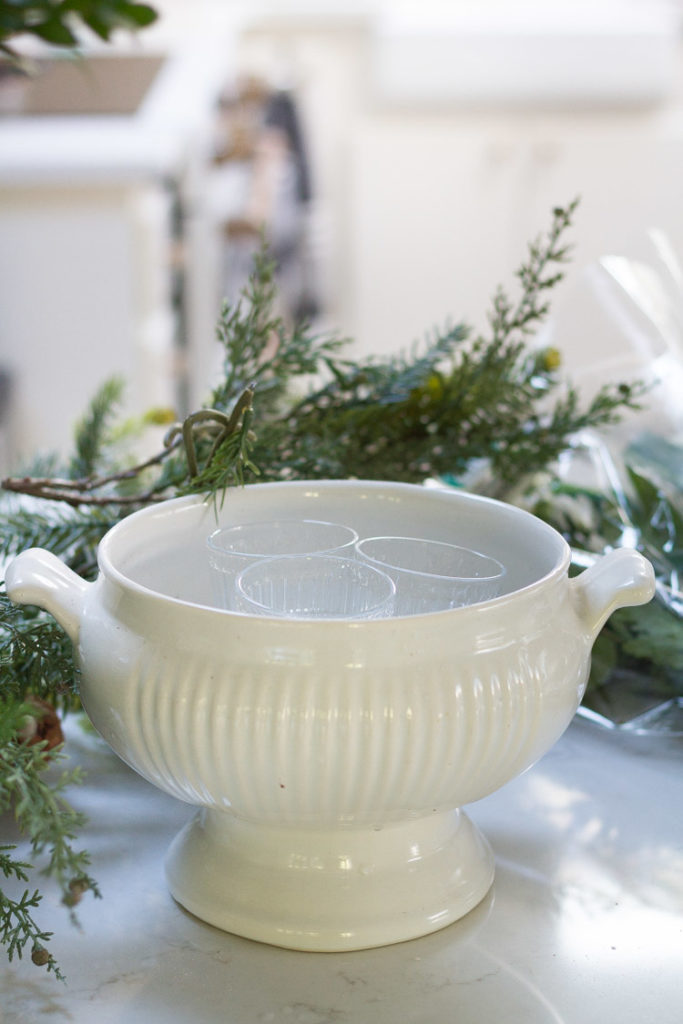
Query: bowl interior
164, 548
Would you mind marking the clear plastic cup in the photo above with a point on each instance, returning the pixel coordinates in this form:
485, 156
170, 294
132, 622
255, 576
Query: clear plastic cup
315, 587
234, 548
432, 575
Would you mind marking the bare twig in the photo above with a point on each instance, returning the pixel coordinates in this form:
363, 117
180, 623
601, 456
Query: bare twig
42, 489
208, 422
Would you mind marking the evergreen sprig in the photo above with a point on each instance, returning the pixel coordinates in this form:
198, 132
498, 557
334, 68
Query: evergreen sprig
43, 813
637, 659
259, 353
92, 433
538, 275
17, 926
35, 657
452, 399
290, 404
73, 534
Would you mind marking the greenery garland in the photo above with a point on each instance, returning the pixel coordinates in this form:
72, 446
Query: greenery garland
289, 405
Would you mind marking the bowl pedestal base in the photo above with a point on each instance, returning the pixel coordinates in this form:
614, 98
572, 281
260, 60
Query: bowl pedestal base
329, 889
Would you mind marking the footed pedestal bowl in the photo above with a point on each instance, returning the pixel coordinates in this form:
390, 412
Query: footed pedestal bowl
330, 759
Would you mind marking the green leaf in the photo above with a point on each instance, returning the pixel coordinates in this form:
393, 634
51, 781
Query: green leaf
652, 633
138, 15
56, 22
54, 31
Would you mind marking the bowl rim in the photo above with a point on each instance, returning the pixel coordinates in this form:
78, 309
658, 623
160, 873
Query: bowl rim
109, 570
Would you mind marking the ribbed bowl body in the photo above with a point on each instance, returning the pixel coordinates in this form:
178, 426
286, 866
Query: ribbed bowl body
330, 723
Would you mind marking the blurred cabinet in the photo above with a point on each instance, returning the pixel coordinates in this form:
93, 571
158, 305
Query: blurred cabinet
444, 204
108, 248
86, 292
431, 193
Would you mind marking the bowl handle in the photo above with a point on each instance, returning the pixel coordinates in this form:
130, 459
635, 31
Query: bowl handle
38, 577
622, 577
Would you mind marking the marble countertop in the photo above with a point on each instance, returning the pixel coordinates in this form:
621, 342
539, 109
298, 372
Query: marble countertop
584, 922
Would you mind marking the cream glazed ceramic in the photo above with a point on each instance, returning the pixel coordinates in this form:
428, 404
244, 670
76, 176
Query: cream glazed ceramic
330, 759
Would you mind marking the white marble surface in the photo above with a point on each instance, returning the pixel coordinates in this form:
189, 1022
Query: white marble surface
584, 922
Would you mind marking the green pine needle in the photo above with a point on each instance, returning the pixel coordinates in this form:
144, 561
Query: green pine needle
92, 432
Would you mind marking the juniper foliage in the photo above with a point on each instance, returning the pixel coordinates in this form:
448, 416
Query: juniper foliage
291, 404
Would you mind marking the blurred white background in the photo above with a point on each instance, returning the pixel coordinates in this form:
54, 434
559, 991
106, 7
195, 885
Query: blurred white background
435, 140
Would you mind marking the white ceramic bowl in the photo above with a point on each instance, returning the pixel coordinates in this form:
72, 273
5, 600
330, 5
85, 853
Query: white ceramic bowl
329, 759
